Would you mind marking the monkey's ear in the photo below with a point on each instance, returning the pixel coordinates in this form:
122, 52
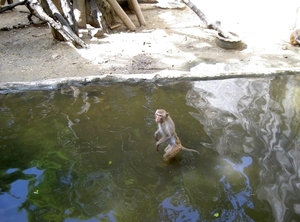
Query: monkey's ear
167, 114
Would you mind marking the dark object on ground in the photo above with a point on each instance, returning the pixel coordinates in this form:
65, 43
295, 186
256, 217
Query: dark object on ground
225, 43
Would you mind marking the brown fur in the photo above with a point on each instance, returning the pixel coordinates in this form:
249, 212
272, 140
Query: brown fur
166, 128
295, 37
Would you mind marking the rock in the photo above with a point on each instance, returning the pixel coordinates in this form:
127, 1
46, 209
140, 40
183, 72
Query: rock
95, 32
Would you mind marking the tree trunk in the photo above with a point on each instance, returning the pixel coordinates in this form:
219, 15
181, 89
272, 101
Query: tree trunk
80, 13
68, 12
62, 27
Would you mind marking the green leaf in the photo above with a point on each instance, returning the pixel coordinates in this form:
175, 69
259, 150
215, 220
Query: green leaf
216, 215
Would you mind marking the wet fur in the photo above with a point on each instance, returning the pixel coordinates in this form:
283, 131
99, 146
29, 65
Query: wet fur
166, 128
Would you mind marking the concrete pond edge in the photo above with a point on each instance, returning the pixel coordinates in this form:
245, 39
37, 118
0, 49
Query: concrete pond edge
166, 76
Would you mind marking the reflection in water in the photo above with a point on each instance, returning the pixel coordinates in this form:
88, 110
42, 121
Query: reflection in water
16, 193
88, 153
261, 118
240, 200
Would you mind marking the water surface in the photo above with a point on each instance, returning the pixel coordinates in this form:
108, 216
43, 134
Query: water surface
88, 153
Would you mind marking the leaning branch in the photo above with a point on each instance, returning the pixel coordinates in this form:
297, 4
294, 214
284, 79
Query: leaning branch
211, 25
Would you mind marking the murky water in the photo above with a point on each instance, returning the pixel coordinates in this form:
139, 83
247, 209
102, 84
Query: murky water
88, 153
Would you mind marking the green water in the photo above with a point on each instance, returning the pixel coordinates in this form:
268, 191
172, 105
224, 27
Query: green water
88, 153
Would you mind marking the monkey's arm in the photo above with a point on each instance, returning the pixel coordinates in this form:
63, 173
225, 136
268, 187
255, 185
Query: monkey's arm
162, 140
156, 135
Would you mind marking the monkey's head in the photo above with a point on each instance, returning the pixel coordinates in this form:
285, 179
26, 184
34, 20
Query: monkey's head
161, 115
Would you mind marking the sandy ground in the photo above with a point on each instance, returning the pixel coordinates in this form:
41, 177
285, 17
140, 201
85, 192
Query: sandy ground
173, 41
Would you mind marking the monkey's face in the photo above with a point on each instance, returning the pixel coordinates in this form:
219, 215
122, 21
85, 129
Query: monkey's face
158, 118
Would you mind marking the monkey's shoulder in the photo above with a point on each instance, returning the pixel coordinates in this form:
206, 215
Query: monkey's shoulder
165, 129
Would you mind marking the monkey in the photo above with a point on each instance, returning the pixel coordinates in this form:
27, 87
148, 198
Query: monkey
295, 37
166, 127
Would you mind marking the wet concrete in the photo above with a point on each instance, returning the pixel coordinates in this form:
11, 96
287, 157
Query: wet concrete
159, 77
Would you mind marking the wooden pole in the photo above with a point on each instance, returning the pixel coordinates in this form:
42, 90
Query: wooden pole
115, 5
138, 12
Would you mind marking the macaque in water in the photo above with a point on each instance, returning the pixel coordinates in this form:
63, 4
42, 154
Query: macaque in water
166, 128
295, 37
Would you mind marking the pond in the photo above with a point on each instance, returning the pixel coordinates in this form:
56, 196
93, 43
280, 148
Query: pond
87, 153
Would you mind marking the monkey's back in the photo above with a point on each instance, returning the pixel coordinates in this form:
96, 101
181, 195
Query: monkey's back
295, 37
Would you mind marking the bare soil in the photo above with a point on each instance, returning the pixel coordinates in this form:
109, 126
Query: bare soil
174, 40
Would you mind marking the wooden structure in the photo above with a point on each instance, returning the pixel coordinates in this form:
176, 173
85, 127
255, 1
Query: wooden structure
65, 19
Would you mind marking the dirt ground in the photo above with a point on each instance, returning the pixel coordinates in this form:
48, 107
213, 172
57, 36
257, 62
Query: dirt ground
173, 41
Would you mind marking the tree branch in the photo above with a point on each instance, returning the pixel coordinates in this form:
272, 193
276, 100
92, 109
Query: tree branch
211, 25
